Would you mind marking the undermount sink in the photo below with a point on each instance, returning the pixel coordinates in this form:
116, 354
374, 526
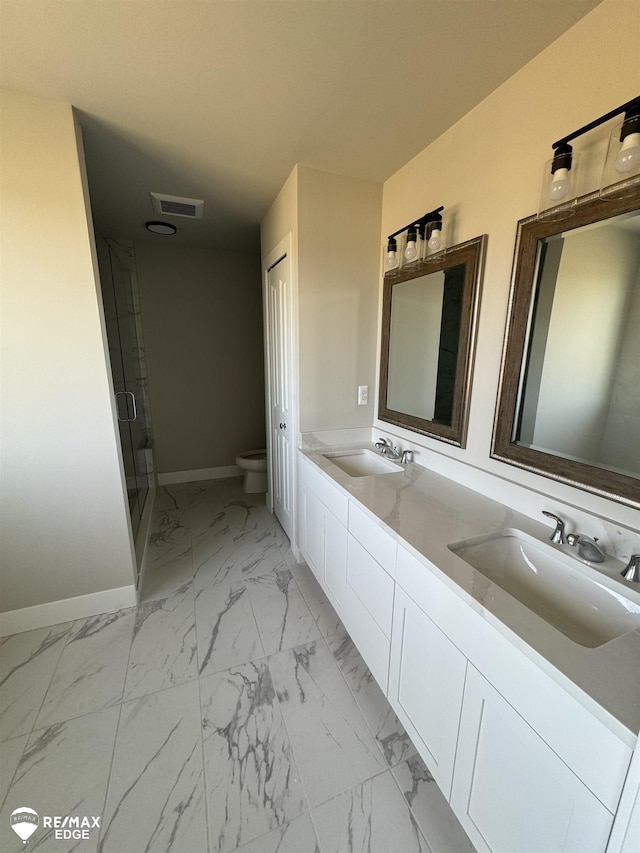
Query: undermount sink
362, 463
581, 602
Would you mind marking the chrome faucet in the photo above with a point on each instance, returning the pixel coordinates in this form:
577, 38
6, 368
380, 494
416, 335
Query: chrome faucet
387, 449
588, 548
407, 456
631, 571
558, 534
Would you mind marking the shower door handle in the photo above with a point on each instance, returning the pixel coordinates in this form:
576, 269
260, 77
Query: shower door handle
133, 402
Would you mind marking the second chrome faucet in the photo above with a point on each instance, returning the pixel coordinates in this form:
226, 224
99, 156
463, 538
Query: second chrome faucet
588, 548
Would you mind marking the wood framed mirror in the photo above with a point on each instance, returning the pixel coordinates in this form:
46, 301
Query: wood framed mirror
429, 318
569, 396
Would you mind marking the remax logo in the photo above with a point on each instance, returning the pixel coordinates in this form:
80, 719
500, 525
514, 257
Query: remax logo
24, 822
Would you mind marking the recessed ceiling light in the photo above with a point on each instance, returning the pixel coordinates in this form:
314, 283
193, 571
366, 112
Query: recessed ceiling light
165, 228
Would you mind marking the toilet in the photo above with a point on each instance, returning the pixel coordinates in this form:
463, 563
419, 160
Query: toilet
254, 465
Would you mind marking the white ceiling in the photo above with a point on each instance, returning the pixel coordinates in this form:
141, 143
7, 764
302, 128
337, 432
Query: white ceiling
219, 99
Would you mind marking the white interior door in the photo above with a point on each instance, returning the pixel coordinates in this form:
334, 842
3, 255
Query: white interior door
278, 305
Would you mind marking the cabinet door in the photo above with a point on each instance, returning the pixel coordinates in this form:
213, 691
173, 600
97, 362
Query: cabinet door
510, 791
324, 546
313, 533
335, 560
426, 683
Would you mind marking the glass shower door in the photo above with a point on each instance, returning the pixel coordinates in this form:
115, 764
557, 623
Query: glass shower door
117, 273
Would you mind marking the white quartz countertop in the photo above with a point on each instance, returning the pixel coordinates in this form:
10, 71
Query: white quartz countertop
427, 512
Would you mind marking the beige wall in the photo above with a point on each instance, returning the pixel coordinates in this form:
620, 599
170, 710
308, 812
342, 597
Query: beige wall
202, 320
63, 515
335, 224
338, 263
487, 169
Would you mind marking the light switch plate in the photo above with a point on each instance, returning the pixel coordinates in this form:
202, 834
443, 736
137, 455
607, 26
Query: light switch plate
363, 395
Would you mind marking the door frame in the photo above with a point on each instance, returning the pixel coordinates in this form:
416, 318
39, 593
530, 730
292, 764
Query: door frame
284, 248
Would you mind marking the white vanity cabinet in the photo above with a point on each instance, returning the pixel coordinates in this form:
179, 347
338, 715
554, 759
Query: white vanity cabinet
527, 766
323, 520
511, 792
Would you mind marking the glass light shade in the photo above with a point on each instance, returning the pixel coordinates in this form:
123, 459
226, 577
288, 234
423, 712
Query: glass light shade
434, 244
621, 172
411, 247
558, 195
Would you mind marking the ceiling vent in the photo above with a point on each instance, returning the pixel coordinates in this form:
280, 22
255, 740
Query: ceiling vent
173, 205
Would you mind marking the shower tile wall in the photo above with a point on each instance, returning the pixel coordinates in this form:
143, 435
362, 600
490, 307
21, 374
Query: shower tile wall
229, 711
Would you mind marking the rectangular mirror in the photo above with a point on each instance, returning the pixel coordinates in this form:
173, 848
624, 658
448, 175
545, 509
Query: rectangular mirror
569, 398
428, 329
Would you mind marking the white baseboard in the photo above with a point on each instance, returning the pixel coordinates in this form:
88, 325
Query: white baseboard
199, 474
66, 610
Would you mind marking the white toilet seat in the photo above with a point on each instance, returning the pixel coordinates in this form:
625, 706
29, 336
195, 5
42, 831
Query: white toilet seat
252, 460
254, 465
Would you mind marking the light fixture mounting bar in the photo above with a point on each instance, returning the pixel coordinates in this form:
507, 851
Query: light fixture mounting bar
633, 103
418, 223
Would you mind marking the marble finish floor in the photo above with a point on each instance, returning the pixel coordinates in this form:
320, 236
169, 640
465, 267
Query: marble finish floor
229, 711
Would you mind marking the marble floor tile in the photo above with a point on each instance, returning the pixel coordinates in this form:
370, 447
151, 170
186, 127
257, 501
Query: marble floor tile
163, 651
227, 507
167, 499
10, 754
167, 574
287, 557
328, 620
283, 618
27, 664
333, 746
386, 727
252, 780
437, 821
64, 770
211, 552
156, 791
296, 837
369, 818
226, 630
249, 555
255, 553
92, 669
168, 533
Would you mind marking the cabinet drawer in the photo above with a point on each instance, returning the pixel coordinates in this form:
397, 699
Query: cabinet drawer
375, 539
330, 495
368, 638
371, 584
511, 791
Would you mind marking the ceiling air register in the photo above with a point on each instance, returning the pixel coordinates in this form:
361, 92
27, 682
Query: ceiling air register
173, 205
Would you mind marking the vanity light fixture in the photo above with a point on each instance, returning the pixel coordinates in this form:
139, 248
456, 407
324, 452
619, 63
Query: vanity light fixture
164, 228
423, 239
621, 172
